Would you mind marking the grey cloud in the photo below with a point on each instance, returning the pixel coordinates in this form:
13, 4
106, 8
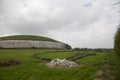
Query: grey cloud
55, 18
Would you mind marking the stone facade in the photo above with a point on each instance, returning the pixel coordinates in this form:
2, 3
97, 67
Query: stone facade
32, 44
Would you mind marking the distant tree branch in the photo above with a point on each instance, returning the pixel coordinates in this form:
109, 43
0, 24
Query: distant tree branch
116, 3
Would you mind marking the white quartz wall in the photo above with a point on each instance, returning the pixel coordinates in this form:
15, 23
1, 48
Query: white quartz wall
31, 44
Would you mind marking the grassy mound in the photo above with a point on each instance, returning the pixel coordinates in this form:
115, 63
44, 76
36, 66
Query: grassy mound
27, 37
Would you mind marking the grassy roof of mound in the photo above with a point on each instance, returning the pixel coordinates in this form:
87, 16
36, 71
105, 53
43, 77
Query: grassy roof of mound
27, 37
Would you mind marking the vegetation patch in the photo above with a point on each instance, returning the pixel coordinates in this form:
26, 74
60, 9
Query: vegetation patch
117, 41
9, 62
112, 67
53, 55
99, 59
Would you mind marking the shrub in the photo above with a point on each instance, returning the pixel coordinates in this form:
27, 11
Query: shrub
117, 41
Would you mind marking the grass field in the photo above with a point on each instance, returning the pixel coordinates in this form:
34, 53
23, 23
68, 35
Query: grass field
54, 55
36, 69
98, 59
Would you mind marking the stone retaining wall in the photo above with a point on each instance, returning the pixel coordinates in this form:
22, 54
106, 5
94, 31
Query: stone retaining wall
32, 44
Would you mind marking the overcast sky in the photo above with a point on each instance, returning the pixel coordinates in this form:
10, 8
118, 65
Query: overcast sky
80, 23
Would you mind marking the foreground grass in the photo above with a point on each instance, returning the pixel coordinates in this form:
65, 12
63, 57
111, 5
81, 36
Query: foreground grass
35, 69
113, 65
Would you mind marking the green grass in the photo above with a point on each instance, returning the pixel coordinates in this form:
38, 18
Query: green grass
27, 37
97, 59
113, 61
54, 55
36, 69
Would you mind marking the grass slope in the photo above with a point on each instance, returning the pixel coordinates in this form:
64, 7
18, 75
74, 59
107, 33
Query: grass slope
27, 37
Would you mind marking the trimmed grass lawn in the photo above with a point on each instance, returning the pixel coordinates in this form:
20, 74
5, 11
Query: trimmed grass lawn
97, 59
36, 69
54, 55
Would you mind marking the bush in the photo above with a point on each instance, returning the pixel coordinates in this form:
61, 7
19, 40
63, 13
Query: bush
117, 41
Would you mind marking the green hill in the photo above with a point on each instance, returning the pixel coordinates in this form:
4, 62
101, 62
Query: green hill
27, 37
